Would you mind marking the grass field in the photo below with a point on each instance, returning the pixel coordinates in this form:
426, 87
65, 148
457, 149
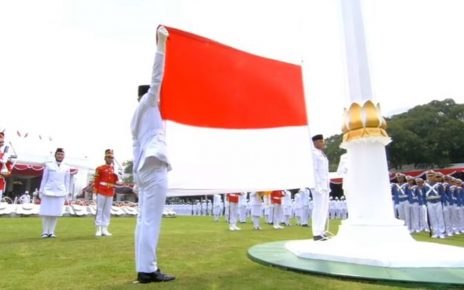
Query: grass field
201, 254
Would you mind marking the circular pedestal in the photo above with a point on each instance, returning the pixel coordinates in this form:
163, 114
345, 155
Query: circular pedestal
276, 254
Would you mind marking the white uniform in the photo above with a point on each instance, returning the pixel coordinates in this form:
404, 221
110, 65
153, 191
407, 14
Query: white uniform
25, 198
287, 206
242, 207
320, 192
297, 208
217, 206
304, 200
54, 187
256, 209
150, 171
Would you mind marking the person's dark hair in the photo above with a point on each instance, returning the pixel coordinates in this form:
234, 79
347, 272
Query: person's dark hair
143, 89
318, 137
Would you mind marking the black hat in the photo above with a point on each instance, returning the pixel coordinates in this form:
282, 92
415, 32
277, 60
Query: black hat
59, 150
318, 137
143, 89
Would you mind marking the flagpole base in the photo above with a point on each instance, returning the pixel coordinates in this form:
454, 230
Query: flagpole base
276, 255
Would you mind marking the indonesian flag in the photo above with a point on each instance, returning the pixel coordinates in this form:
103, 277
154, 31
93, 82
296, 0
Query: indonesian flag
234, 121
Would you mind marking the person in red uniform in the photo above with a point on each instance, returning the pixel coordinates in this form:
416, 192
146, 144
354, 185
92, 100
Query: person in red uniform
5, 164
276, 202
232, 198
104, 189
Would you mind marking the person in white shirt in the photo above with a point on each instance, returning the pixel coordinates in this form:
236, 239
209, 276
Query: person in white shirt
322, 189
217, 200
304, 200
150, 170
242, 207
25, 198
287, 207
55, 185
256, 208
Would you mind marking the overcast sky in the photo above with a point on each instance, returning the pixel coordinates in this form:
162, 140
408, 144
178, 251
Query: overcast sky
70, 69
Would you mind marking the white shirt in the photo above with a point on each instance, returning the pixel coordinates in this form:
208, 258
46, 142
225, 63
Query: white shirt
321, 171
56, 180
255, 199
147, 126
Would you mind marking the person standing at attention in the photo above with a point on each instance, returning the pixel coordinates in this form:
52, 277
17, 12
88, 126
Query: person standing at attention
150, 168
233, 199
54, 187
322, 189
104, 189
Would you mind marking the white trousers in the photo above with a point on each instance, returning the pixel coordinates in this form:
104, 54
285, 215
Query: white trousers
216, 212
320, 212
233, 213
415, 209
1, 195
104, 204
49, 224
152, 183
304, 214
277, 214
437, 224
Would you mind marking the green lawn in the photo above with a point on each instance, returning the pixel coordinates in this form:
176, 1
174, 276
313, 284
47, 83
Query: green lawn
202, 254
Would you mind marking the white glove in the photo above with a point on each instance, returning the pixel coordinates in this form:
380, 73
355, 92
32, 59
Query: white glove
162, 34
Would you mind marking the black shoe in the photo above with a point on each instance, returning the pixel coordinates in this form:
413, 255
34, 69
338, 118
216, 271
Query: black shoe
320, 238
305, 225
154, 277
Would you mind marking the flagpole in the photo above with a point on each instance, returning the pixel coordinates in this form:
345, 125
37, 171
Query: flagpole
371, 235
368, 202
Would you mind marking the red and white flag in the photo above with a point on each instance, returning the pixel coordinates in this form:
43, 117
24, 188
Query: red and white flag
234, 121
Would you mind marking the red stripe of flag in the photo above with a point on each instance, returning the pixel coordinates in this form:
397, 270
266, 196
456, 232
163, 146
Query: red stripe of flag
208, 84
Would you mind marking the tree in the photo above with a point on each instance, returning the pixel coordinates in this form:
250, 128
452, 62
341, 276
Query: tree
425, 136
129, 178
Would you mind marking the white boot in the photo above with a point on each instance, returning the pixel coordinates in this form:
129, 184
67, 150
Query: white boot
105, 231
99, 231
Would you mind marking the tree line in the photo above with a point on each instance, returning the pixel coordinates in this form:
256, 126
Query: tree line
426, 136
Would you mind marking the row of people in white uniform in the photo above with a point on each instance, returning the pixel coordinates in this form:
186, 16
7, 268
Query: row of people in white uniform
300, 208
433, 205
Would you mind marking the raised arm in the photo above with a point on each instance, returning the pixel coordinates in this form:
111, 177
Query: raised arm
158, 67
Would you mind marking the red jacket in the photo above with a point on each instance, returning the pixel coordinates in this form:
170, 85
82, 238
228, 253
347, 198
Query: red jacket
105, 180
276, 196
233, 197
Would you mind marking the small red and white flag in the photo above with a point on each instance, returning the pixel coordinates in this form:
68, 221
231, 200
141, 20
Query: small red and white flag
234, 121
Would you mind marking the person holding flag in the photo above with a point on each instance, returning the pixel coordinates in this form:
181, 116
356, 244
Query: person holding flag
150, 169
